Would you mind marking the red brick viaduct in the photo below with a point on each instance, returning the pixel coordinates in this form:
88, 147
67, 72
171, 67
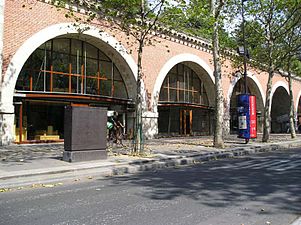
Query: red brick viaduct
24, 29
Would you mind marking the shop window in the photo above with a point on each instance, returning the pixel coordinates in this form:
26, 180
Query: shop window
163, 121
61, 45
197, 98
106, 69
71, 66
91, 68
183, 85
106, 87
60, 62
173, 95
163, 94
39, 81
117, 75
90, 51
76, 49
173, 80
60, 83
103, 57
91, 86
119, 89
182, 96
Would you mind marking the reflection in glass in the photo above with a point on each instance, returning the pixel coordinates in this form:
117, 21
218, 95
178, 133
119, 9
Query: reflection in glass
72, 66
183, 85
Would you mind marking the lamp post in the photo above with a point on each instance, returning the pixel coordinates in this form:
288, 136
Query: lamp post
246, 103
244, 43
242, 50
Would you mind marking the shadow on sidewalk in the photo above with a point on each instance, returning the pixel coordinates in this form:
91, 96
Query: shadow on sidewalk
173, 145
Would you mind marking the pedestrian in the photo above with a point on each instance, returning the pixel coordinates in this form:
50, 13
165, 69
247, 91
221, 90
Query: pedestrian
119, 132
111, 126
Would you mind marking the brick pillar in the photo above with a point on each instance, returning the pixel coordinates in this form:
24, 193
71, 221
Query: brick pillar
6, 128
6, 109
227, 115
150, 124
1, 34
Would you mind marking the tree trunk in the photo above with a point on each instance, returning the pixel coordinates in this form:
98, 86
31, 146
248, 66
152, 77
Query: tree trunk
292, 111
138, 136
267, 110
267, 107
219, 99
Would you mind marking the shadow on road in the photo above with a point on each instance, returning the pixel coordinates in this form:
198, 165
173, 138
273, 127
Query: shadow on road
220, 183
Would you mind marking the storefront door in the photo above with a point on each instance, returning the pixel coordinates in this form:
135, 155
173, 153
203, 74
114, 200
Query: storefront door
186, 122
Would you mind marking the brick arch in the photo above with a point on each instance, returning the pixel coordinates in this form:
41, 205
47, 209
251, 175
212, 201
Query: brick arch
280, 107
92, 34
256, 89
277, 85
194, 62
255, 81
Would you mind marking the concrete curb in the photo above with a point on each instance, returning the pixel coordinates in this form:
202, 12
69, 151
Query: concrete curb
14, 179
152, 164
297, 222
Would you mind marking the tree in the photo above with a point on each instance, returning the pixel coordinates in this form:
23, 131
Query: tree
137, 18
202, 18
216, 8
273, 20
205, 19
195, 18
291, 46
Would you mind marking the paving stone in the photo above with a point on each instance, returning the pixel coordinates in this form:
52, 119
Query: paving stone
187, 146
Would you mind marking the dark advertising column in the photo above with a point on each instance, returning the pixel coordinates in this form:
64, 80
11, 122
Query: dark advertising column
247, 120
85, 133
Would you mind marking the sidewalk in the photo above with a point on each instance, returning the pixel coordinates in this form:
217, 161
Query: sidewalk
23, 165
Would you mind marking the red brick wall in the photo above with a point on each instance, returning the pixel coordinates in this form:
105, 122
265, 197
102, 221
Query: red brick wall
22, 22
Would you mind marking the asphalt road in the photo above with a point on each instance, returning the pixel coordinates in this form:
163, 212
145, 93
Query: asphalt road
255, 190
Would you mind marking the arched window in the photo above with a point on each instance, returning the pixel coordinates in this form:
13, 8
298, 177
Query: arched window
66, 65
183, 104
182, 85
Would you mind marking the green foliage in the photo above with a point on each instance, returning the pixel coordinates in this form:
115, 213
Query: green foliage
126, 12
296, 67
195, 18
269, 30
129, 15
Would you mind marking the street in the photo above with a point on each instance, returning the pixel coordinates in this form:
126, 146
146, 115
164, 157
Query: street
250, 190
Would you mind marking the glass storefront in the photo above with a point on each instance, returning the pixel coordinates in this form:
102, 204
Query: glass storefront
41, 121
183, 104
64, 71
71, 66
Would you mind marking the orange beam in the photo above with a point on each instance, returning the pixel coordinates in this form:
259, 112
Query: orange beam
80, 97
51, 78
70, 76
190, 121
80, 104
20, 123
183, 105
30, 82
181, 121
98, 83
82, 75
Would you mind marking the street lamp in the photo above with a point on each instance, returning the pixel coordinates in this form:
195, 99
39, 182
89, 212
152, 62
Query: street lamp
242, 50
246, 103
